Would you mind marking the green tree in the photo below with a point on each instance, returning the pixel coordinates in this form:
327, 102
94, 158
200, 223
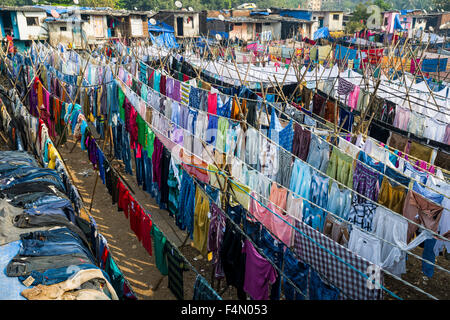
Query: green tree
354, 26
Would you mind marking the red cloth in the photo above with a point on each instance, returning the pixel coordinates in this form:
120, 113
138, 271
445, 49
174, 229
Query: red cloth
134, 219
124, 198
146, 227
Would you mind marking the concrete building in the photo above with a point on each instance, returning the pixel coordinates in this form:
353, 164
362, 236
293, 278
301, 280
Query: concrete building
186, 24
333, 20
24, 24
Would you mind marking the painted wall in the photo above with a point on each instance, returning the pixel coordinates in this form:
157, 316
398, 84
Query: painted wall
275, 27
31, 32
332, 24
65, 33
191, 28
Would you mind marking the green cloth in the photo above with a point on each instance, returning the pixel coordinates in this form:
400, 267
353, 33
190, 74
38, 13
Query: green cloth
116, 277
121, 100
222, 128
150, 136
159, 241
340, 167
141, 125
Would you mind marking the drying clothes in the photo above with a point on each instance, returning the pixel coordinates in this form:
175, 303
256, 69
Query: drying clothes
340, 167
397, 141
215, 237
252, 147
184, 218
402, 116
393, 229
365, 182
420, 151
301, 179
434, 129
259, 273
331, 107
175, 268
353, 98
352, 284
318, 155
285, 170
201, 221
421, 211
442, 160
233, 259
361, 214
280, 135
203, 291
416, 124
392, 197
337, 230
345, 119
159, 242
300, 143
344, 87
378, 133
320, 290
297, 272
268, 158
339, 201
348, 147
319, 105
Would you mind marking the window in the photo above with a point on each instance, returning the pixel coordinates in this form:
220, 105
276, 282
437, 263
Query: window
258, 28
191, 20
238, 24
32, 21
267, 23
335, 17
385, 21
62, 28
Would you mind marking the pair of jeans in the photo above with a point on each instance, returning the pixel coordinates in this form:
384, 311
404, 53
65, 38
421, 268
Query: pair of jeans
60, 235
428, 254
319, 290
57, 275
23, 265
55, 207
297, 272
235, 213
273, 249
139, 164
253, 230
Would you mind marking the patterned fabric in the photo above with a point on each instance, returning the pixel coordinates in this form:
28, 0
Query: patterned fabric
344, 87
365, 182
350, 282
362, 214
185, 89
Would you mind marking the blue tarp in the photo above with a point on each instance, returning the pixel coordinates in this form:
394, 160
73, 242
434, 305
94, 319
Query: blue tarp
222, 33
263, 13
321, 33
165, 39
160, 27
305, 15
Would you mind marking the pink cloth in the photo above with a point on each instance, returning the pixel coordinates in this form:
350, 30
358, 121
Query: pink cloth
353, 98
212, 103
259, 212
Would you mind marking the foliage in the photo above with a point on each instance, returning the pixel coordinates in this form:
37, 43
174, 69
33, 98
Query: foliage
354, 26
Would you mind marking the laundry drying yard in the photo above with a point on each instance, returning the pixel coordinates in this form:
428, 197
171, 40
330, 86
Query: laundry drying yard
162, 162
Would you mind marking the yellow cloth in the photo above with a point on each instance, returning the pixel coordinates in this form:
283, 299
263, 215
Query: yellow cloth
201, 221
52, 156
324, 51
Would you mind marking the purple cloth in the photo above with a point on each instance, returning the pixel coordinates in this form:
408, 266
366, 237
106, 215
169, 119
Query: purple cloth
258, 273
156, 161
215, 236
169, 87
365, 182
176, 90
